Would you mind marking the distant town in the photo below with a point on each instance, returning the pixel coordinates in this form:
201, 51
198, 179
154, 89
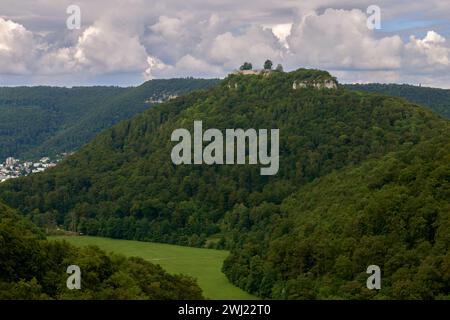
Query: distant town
14, 168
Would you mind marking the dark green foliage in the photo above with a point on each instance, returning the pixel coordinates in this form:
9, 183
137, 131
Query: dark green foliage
30, 116
268, 65
246, 66
33, 268
338, 203
393, 212
438, 100
38, 121
124, 185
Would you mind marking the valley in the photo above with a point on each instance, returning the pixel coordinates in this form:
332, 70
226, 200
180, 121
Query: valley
363, 180
46, 121
203, 264
188, 156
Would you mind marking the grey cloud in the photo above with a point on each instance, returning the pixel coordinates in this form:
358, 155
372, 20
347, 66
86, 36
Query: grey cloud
210, 38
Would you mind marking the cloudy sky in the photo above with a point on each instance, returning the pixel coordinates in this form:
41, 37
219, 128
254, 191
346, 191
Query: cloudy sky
129, 41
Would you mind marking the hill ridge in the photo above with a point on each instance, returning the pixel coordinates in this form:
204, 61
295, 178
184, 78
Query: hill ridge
124, 185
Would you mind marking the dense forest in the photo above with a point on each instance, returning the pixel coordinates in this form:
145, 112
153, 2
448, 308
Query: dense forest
34, 268
45, 121
363, 179
437, 100
393, 212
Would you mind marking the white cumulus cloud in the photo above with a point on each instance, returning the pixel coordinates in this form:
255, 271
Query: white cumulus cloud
17, 48
155, 39
340, 39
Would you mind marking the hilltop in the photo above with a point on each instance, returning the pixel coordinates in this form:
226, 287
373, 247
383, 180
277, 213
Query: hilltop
123, 184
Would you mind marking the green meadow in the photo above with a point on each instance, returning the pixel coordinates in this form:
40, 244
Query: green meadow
203, 264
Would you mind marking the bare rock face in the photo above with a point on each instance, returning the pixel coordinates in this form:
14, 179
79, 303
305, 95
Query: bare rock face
248, 72
330, 84
257, 72
299, 85
324, 84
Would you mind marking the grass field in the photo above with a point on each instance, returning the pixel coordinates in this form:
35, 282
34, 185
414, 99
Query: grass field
203, 264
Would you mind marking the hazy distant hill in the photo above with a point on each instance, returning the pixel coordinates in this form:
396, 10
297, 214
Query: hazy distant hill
435, 99
364, 180
38, 121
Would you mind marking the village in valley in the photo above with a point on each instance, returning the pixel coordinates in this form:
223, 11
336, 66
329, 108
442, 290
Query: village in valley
15, 168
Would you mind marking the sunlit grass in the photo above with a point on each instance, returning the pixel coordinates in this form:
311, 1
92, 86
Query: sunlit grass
203, 264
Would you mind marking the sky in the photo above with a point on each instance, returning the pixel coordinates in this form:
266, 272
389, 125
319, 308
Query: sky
127, 42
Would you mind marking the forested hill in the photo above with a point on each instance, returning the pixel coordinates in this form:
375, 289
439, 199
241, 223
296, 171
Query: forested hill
437, 100
34, 268
393, 212
44, 121
356, 168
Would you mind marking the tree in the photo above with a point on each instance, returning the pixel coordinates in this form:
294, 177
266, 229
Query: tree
279, 68
246, 66
268, 65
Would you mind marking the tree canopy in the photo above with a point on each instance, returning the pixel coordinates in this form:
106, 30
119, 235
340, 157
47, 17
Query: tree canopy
363, 179
246, 66
33, 268
437, 100
45, 121
268, 65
